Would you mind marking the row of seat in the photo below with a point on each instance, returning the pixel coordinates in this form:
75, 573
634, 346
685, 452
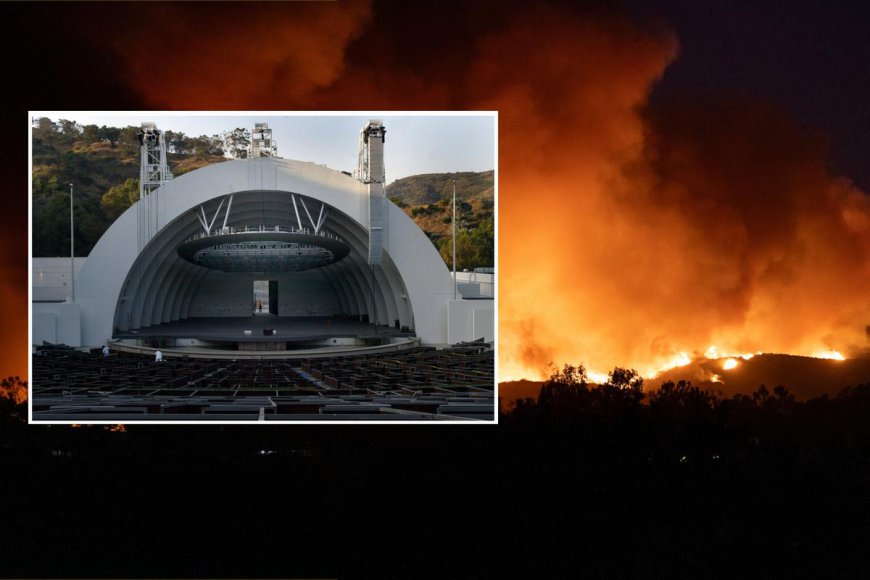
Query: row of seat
464, 370
453, 370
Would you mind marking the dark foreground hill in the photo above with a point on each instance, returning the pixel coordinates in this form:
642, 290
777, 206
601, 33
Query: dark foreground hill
805, 377
589, 483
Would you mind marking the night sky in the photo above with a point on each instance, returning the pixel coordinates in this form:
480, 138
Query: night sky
810, 58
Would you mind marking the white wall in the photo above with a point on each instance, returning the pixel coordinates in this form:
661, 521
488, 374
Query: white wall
57, 323
51, 279
469, 320
473, 284
483, 323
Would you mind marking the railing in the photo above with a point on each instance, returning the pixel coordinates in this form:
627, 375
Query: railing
263, 229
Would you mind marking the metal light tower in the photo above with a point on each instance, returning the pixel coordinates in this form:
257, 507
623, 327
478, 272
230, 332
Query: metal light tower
370, 170
262, 144
154, 170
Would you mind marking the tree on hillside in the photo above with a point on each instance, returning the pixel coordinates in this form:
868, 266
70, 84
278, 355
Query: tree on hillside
51, 225
483, 238
128, 138
203, 145
43, 126
69, 129
118, 198
110, 134
466, 252
90, 134
45, 187
51, 218
474, 248
175, 142
236, 143
464, 215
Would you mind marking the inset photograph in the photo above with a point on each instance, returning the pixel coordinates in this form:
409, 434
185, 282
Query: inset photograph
275, 267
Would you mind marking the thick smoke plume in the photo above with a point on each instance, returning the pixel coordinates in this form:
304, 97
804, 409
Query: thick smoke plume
225, 56
629, 233
13, 312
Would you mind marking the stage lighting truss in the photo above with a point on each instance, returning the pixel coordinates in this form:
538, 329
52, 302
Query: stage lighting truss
264, 249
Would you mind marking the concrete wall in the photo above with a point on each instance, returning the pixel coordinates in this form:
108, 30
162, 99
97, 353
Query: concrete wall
222, 294
483, 323
469, 320
57, 323
51, 278
474, 284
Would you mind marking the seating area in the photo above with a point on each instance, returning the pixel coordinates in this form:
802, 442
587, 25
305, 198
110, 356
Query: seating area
422, 383
413, 372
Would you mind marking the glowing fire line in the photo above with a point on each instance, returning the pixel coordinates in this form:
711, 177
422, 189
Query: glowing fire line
729, 362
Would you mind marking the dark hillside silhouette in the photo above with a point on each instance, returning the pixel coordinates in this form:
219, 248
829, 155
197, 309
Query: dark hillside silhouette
806, 377
612, 480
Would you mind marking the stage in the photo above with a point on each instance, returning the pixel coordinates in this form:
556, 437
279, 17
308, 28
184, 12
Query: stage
264, 335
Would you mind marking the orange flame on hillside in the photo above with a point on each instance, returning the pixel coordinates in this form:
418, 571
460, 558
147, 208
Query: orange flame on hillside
829, 354
729, 363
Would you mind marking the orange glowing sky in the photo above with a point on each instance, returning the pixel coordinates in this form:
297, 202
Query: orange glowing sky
629, 232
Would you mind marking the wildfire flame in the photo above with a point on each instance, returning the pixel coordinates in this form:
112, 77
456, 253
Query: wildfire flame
729, 363
828, 354
597, 378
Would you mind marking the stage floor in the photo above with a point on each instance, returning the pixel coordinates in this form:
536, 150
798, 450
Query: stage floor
288, 328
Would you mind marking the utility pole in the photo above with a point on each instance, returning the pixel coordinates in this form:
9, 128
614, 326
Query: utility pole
454, 239
72, 245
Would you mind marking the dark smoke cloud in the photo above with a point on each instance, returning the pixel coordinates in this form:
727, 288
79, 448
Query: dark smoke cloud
228, 56
628, 233
744, 236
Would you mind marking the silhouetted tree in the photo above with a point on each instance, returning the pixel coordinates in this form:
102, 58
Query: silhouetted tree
566, 392
13, 400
